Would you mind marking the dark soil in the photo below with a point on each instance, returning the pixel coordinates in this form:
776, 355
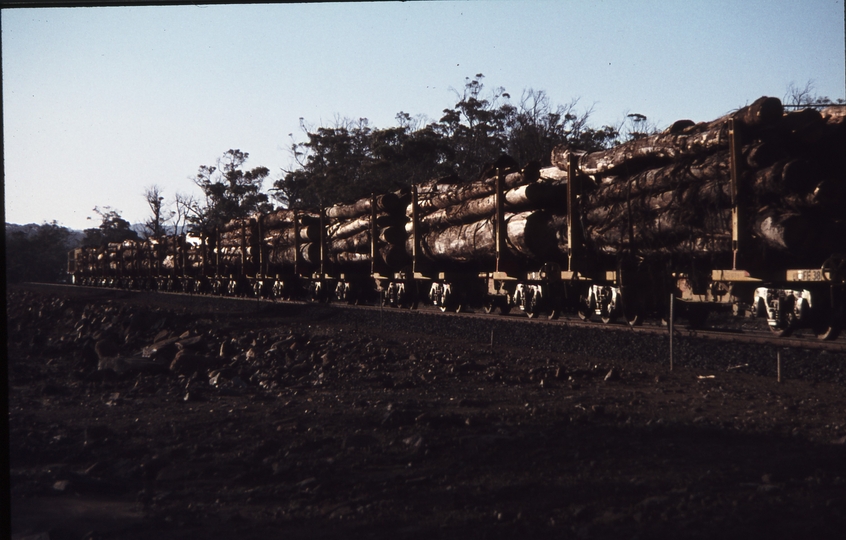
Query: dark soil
140, 416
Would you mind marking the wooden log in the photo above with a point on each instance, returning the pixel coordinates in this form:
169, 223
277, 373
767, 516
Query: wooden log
697, 182
432, 197
473, 242
788, 176
676, 230
537, 195
678, 140
393, 235
829, 193
762, 112
529, 236
278, 218
358, 243
801, 128
715, 166
238, 224
285, 256
388, 203
349, 258
307, 233
533, 235
762, 154
344, 229
395, 257
660, 219
786, 231
284, 218
829, 151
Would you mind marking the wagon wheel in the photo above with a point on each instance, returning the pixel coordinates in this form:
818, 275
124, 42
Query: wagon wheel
457, 308
553, 304
587, 307
408, 300
606, 315
497, 303
787, 318
828, 331
632, 311
532, 307
828, 323
449, 302
781, 329
411, 297
835, 268
633, 316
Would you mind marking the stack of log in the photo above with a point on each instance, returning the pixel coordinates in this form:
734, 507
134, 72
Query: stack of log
670, 193
663, 195
279, 231
237, 246
346, 237
86, 260
349, 230
457, 221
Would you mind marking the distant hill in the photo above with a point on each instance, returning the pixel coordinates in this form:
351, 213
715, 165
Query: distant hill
141, 229
31, 228
76, 235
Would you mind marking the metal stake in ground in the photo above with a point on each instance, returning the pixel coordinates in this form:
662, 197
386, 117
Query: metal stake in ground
670, 326
778, 365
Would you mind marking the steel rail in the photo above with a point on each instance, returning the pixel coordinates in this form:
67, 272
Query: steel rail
517, 317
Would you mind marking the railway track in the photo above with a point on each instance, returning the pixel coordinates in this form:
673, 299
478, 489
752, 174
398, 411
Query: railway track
725, 329
728, 333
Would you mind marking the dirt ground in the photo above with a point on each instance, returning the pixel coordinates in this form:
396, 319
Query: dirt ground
138, 416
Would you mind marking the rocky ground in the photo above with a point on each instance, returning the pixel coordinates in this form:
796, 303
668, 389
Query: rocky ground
140, 415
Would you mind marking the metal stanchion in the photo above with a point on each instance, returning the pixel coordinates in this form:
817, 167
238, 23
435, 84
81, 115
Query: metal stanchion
670, 326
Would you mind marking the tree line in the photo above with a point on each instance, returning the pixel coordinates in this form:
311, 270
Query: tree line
351, 159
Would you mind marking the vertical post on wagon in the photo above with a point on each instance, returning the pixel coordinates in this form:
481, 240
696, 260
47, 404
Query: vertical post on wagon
297, 255
415, 231
374, 235
500, 219
735, 156
572, 178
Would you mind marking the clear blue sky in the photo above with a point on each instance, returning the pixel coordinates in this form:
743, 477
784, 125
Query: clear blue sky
100, 103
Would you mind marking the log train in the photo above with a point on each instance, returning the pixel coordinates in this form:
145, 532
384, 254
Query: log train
744, 213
